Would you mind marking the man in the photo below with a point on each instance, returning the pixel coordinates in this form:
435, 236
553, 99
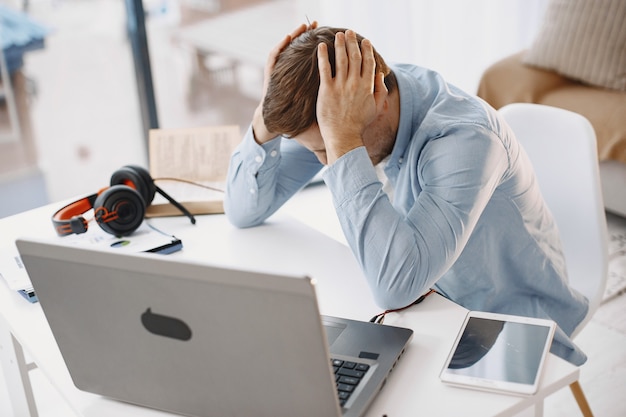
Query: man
464, 214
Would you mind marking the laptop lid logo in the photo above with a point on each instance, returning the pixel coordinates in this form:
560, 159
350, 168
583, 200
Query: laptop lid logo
165, 325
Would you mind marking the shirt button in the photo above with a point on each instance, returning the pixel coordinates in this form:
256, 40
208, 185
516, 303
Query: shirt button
273, 153
252, 191
400, 160
258, 159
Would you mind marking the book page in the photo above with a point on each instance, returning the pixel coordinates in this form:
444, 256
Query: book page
195, 154
191, 166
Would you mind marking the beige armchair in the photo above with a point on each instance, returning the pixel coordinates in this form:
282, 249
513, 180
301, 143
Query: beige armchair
577, 62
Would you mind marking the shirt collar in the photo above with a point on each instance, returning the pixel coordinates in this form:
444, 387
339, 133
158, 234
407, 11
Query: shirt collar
411, 113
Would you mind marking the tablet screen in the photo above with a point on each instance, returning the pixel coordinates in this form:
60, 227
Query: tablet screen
492, 350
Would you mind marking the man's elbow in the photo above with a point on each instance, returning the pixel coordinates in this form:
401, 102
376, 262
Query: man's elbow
240, 220
388, 299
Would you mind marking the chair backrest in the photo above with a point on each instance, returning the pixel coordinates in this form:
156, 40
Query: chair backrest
562, 148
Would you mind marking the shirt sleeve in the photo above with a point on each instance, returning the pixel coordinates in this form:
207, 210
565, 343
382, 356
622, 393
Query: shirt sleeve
403, 254
261, 178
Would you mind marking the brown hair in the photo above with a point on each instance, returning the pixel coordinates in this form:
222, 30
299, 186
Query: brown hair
289, 105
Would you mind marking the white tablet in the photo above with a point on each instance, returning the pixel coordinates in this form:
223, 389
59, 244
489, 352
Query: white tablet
497, 352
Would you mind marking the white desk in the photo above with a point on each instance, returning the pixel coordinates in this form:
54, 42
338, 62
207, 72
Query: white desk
413, 387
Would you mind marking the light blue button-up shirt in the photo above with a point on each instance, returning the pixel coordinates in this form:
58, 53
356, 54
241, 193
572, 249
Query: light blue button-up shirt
467, 217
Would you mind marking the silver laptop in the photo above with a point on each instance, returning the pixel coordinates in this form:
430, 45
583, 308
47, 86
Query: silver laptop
201, 340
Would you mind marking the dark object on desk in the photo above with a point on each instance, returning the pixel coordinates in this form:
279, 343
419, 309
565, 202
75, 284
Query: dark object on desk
174, 246
29, 294
119, 209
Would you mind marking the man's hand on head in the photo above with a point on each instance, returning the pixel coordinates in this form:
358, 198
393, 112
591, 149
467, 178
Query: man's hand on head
348, 102
261, 133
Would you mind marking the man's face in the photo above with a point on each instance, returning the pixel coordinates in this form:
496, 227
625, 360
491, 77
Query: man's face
312, 140
377, 139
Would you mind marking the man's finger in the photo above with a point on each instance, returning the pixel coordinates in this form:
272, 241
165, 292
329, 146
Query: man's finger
341, 57
278, 49
353, 52
298, 31
368, 65
323, 64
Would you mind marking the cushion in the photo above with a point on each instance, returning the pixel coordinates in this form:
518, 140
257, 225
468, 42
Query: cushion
584, 40
509, 81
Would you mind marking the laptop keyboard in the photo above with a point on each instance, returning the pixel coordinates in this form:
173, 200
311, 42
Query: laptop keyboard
347, 376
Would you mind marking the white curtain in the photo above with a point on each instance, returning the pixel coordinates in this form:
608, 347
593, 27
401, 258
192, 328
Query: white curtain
458, 38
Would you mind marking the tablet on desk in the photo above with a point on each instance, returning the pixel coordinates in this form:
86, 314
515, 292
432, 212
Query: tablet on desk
498, 352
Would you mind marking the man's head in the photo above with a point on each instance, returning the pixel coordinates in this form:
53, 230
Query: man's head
290, 102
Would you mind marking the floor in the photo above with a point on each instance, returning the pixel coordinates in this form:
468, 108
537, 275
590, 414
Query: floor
59, 74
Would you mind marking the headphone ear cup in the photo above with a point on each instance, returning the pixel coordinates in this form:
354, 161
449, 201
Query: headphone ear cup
119, 210
139, 178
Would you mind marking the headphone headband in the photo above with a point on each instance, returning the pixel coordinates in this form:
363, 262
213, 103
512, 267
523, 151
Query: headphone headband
69, 219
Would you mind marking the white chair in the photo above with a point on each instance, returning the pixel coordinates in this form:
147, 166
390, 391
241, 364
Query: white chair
562, 148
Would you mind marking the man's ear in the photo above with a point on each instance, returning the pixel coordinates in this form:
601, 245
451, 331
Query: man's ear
380, 93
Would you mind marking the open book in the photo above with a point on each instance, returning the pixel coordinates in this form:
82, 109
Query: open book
191, 165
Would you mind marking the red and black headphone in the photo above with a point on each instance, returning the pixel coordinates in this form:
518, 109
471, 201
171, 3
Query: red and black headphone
118, 209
